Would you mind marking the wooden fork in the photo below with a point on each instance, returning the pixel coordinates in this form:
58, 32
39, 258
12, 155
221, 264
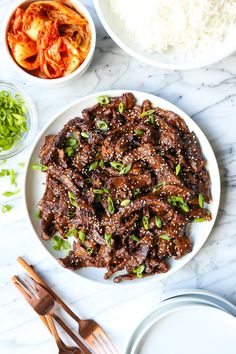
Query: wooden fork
89, 330
43, 303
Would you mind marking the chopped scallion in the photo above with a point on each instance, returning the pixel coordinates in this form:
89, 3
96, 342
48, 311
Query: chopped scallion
103, 100
110, 205
139, 271
125, 202
165, 237
121, 107
177, 169
125, 169
82, 236
147, 113
108, 238
93, 166
39, 167
158, 222
72, 199
102, 125
6, 208
201, 200
135, 238
145, 221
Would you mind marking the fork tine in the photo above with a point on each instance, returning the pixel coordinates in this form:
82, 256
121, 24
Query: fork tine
21, 287
104, 337
97, 344
30, 285
105, 343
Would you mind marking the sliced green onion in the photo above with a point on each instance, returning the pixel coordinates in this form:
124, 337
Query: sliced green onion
65, 245
174, 199
9, 194
125, 202
21, 164
100, 191
93, 166
117, 165
72, 199
60, 244
12, 176
145, 221
103, 100
135, 238
125, 170
102, 125
158, 222
85, 135
70, 214
177, 169
39, 167
72, 142
3, 161
152, 119
158, 186
136, 192
82, 236
108, 238
139, 271
165, 237
4, 172
72, 232
89, 251
13, 119
57, 242
70, 151
147, 113
37, 214
201, 200
121, 107
139, 132
184, 206
6, 208
110, 205
199, 219
101, 163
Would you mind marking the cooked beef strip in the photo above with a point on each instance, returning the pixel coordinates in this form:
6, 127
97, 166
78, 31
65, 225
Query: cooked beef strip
134, 213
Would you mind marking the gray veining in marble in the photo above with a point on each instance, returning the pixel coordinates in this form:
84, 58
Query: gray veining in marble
209, 96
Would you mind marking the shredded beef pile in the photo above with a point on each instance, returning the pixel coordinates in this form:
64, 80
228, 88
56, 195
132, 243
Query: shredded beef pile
126, 180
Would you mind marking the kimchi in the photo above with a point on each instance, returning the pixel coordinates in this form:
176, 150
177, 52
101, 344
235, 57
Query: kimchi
49, 39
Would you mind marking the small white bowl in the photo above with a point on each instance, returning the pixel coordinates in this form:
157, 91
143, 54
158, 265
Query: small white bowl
62, 80
116, 29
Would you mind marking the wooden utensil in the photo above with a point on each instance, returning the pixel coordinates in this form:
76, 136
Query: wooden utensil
89, 330
43, 303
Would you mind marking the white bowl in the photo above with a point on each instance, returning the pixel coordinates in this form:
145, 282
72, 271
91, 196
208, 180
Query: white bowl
116, 29
62, 80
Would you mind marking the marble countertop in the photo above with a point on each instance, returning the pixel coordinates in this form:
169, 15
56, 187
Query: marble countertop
209, 96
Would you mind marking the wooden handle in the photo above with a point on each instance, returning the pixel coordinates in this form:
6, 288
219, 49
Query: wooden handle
36, 277
39, 280
54, 330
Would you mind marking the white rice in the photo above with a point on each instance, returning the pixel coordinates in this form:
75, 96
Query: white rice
186, 25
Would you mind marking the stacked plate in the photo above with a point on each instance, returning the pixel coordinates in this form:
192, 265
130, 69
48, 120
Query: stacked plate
191, 321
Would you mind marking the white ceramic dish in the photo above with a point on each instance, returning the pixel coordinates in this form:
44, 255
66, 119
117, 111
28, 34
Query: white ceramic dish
34, 188
183, 329
116, 29
50, 82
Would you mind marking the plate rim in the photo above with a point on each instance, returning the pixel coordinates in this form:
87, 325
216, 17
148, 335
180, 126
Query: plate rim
142, 58
117, 92
132, 343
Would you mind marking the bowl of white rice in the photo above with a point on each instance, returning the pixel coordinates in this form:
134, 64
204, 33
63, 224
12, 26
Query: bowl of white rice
171, 34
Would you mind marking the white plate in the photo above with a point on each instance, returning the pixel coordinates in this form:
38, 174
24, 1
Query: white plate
34, 180
188, 329
116, 29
